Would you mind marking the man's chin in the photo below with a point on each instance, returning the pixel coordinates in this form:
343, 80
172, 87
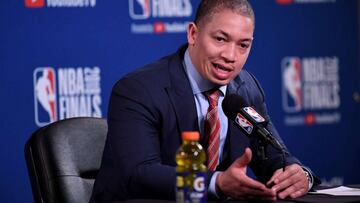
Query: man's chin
221, 82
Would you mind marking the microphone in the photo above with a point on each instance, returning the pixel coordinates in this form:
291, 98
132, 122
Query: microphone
248, 119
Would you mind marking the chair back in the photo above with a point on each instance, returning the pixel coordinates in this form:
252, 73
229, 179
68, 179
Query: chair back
63, 159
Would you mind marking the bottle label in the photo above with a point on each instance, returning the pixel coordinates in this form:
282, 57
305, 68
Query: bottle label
190, 187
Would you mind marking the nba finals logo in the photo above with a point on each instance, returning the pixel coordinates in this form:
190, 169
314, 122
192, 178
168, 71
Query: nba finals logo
45, 96
311, 90
159, 16
69, 92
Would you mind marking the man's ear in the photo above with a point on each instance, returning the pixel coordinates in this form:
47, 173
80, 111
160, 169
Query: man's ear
192, 32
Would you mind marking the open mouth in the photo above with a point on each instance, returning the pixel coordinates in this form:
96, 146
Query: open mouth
221, 72
219, 67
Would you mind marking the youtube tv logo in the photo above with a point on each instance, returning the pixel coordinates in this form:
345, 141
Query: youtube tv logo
284, 2
59, 3
159, 27
34, 3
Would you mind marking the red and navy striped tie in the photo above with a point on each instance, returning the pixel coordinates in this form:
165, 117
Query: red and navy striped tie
212, 129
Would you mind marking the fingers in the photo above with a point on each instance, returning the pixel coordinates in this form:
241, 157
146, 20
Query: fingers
290, 183
235, 183
285, 179
250, 189
251, 183
298, 193
235, 179
271, 183
249, 193
293, 191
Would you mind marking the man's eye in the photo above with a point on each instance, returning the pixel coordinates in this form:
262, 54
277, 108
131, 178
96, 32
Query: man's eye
220, 39
244, 46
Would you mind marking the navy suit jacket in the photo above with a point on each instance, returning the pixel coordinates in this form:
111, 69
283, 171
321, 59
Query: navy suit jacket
148, 110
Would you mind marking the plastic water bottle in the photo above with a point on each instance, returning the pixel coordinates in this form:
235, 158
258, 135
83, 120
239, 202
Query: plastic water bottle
190, 170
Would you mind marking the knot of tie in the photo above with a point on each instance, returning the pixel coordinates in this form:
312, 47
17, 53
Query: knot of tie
213, 97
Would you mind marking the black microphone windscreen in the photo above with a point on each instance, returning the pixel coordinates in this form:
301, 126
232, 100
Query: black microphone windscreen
232, 104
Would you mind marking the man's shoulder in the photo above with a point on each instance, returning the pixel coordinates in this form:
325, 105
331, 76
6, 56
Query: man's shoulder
247, 76
247, 86
245, 79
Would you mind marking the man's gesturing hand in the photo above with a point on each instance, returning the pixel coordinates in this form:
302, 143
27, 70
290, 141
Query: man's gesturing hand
235, 183
289, 183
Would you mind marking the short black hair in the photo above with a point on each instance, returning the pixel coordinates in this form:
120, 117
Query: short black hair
207, 8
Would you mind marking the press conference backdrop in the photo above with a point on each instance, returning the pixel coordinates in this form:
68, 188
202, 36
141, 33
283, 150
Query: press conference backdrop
60, 59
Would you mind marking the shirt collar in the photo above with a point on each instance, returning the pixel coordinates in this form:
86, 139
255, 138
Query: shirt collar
197, 82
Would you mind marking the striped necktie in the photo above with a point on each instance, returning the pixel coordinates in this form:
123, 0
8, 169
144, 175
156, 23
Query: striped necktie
212, 129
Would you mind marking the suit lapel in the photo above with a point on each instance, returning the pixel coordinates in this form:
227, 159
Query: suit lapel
181, 95
236, 140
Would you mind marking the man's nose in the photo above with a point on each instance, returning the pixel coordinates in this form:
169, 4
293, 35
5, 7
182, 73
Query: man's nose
229, 53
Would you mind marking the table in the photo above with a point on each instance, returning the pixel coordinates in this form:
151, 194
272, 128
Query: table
309, 198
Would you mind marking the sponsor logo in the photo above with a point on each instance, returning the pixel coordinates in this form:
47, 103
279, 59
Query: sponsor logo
152, 16
34, 3
288, 2
72, 92
59, 3
284, 2
311, 90
199, 184
244, 123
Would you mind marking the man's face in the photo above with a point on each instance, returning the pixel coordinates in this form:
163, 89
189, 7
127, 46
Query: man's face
219, 48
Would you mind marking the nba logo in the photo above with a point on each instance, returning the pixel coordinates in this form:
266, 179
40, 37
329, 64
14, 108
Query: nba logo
292, 84
244, 123
254, 115
139, 9
44, 96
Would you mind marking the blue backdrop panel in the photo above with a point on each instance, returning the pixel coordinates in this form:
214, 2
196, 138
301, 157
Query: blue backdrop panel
324, 34
60, 59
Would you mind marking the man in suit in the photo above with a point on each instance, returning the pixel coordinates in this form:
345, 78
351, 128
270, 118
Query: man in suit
149, 108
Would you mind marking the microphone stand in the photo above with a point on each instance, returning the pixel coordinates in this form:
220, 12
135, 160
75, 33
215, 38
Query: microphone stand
261, 149
267, 138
